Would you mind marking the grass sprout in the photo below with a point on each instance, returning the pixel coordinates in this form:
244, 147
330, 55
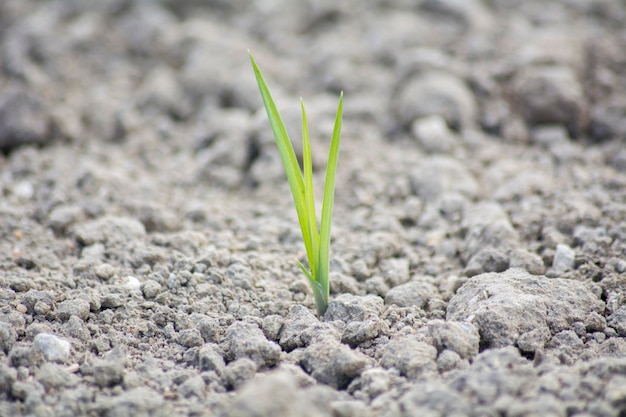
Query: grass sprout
316, 239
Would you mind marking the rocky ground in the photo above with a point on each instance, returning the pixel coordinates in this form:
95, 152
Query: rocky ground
148, 238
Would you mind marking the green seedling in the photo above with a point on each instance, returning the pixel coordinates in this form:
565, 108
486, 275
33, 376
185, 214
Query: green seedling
316, 239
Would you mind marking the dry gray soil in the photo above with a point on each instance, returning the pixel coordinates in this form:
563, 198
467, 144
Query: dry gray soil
148, 239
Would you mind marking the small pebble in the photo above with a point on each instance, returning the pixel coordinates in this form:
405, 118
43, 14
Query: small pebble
24, 190
76, 307
433, 134
21, 308
105, 271
41, 308
190, 338
52, 347
564, 258
447, 361
111, 301
151, 289
131, 283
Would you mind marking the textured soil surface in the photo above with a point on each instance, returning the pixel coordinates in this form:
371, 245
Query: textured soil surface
148, 238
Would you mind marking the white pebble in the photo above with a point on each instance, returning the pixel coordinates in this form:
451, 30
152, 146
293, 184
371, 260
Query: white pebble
433, 133
24, 190
52, 347
131, 283
564, 258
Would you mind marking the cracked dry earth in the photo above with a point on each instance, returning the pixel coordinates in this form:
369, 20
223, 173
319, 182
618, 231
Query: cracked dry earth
148, 239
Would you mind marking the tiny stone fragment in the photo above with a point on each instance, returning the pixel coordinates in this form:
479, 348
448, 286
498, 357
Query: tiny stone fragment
617, 320
210, 359
357, 332
448, 360
459, 337
245, 340
487, 260
111, 301
150, 289
190, 338
565, 339
332, 363
564, 258
415, 293
348, 307
32, 297
105, 271
76, 307
131, 283
52, 347
533, 340
433, 134
294, 333
410, 357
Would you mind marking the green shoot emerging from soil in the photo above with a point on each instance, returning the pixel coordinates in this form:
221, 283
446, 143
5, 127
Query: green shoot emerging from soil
316, 240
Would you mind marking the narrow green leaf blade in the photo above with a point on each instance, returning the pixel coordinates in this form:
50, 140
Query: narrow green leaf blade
319, 293
288, 157
329, 196
308, 191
